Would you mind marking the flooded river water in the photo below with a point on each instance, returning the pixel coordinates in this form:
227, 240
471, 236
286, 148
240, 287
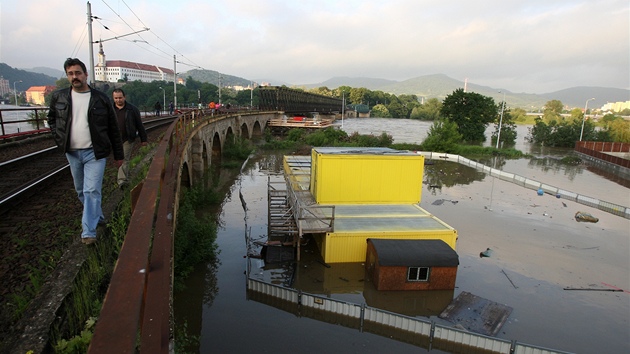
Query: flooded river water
539, 250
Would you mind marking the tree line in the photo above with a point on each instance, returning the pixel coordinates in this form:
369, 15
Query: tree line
461, 118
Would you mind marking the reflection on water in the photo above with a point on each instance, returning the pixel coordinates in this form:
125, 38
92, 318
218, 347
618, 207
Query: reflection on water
349, 281
447, 174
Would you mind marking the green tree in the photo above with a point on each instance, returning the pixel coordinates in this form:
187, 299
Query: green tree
620, 130
565, 133
358, 95
397, 109
518, 114
322, 90
380, 111
552, 111
443, 136
577, 115
62, 83
430, 110
471, 112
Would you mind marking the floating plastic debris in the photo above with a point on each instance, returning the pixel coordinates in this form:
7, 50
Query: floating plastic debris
585, 217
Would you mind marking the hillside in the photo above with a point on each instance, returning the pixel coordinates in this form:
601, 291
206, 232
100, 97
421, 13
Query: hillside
440, 85
28, 78
211, 76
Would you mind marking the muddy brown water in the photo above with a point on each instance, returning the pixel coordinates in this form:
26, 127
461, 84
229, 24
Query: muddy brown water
538, 251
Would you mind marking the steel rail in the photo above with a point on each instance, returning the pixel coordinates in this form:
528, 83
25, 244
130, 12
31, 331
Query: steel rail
22, 189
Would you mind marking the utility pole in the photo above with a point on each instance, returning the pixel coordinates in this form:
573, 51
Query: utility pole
90, 44
174, 81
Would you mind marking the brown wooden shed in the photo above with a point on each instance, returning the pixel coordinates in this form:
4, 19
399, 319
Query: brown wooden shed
411, 264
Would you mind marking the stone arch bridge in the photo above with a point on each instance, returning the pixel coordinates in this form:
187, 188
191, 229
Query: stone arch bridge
207, 137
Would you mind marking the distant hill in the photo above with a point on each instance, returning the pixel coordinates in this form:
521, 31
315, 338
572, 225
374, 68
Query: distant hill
439, 86
211, 76
47, 71
577, 96
350, 81
28, 78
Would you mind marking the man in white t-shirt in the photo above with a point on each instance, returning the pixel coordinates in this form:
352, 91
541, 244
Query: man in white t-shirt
84, 126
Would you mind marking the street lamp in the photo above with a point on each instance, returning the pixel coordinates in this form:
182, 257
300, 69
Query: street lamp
15, 91
163, 98
584, 117
220, 78
501, 119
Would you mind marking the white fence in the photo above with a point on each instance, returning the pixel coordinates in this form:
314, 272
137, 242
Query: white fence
424, 333
612, 208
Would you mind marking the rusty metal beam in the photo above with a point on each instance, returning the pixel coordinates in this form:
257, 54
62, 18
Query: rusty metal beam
118, 326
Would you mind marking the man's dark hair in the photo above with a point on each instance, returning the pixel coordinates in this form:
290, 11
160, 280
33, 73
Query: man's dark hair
119, 90
73, 61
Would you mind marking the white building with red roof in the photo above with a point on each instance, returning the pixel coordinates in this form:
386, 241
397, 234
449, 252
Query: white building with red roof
115, 70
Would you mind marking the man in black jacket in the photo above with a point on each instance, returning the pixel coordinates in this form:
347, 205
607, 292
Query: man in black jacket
83, 123
131, 126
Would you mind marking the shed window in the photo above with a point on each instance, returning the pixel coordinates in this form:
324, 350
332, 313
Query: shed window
418, 274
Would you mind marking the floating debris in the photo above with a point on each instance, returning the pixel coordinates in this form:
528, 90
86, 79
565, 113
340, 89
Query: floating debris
476, 314
585, 217
486, 253
441, 201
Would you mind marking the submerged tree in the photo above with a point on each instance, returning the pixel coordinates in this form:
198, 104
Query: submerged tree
443, 137
430, 110
471, 112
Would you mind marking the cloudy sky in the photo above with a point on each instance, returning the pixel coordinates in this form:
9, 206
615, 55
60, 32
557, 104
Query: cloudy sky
533, 46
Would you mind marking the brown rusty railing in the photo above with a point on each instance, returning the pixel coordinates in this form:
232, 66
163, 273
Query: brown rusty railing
136, 309
598, 149
11, 128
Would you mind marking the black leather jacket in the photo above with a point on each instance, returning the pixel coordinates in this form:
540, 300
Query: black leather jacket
101, 119
133, 123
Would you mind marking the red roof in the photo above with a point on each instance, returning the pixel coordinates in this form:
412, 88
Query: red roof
137, 66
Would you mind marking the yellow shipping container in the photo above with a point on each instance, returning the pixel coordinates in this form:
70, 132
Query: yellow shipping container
366, 176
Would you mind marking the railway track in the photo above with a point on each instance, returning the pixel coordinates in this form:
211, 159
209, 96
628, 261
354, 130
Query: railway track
26, 175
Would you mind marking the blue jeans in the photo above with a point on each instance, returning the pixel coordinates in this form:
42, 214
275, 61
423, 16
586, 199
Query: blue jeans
87, 173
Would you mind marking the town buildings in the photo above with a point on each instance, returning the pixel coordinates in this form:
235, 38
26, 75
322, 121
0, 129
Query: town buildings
122, 70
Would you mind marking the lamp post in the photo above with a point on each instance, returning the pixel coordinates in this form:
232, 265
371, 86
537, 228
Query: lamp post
500, 119
163, 98
584, 117
220, 78
15, 91
495, 158
343, 105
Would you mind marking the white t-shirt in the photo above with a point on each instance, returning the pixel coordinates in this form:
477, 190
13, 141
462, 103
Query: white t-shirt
80, 137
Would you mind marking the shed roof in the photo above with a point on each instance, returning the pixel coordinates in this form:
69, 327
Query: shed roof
414, 253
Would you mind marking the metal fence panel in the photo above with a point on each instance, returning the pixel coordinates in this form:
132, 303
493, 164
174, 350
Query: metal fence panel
289, 295
330, 305
530, 349
472, 339
397, 321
